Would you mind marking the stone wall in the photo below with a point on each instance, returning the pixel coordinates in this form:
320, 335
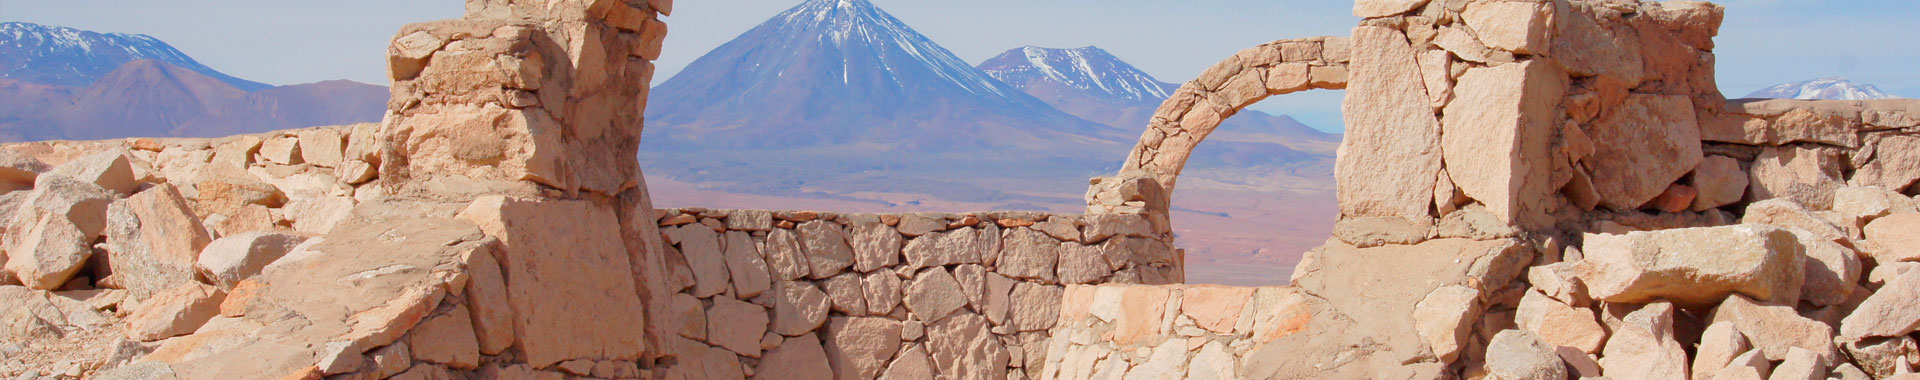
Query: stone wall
1536, 189
821, 295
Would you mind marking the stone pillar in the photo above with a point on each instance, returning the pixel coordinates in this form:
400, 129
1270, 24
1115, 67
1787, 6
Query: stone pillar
530, 112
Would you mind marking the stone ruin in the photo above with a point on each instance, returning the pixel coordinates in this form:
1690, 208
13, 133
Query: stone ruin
1528, 190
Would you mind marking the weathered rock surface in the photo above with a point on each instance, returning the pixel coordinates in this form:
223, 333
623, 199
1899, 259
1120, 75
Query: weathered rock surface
1694, 266
231, 259
174, 312
1517, 354
1387, 115
1643, 146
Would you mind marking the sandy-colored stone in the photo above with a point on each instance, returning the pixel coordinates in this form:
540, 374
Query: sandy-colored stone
1029, 254
912, 364
798, 307
1559, 324
858, 348
1720, 182
109, 170
174, 312
961, 246
1800, 364
1786, 213
52, 233
797, 358
446, 339
1518, 354
1215, 308
1035, 307
1515, 26
1388, 115
736, 326
324, 147
1805, 175
875, 246
1895, 166
1888, 312
1694, 266
1082, 264
934, 294
701, 246
1498, 132
1883, 357
784, 256
1774, 328
231, 259
846, 293
1719, 344
1642, 345
1895, 238
883, 292
565, 306
1831, 270
962, 348
488, 301
1642, 147
1445, 317
825, 244
746, 267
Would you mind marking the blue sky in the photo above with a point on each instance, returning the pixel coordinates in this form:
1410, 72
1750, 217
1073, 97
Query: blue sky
1763, 42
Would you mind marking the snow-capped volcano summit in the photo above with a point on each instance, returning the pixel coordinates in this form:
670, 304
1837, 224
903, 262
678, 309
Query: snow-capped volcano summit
64, 56
1089, 69
1830, 88
844, 72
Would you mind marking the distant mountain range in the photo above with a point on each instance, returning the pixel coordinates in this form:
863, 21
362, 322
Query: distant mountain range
1093, 84
837, 96
1830, 88
70, 84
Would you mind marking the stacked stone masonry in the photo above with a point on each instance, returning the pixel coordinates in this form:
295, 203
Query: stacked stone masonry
1548, 190
1528, 190
812, 295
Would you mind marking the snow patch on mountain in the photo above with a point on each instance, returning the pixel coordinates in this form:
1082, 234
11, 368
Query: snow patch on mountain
1090, 69
1830, 88
73, 57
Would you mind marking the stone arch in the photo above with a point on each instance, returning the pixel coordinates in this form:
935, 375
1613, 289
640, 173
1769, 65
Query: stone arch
1145, 182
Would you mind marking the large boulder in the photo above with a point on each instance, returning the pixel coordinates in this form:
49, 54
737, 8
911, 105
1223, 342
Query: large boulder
1890, 312
110, 170
234, 258
1642, 147
153, 240
1774, 328
51, 236
175, 312
1694, 266
1806, 175
1895, 238
1388, 117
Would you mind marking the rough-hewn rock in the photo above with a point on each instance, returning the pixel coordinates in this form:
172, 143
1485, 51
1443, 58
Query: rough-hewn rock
1516, 26
109, 170
153, 239
1035, 307
1029, 254
934, 294
1774, 328
1643, 146
565, 306
962, 348
797, 358
231, 259
52, 233
746, 267
1445, 317
446, 339
174, 312
875, 246
736, 326
1804, 175
1498, 130
961, 246
1894, 239
858, 348
701, 246
1896, 164
798, 307
1888, 312
1388, 116
826, 246
1720, 181
1518, 354
1694, 266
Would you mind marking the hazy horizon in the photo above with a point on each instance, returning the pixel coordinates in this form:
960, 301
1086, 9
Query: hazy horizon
1762, 43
